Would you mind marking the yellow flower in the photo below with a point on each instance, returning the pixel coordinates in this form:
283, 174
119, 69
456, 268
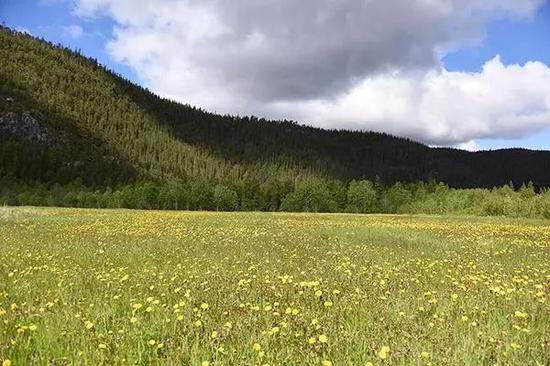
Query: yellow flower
454, 296
198, 323
256, 347
204, 306
369, 364
424, 354
102, 346
520, 315
515, 345
6, 362
383, 353
180, 317
312, 340
152, 342
326, 363
214, 334
32, 327
205, 363
323, 338
88, 324
133, 320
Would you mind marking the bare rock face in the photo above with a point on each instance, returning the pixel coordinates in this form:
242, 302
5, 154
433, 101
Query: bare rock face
26, 126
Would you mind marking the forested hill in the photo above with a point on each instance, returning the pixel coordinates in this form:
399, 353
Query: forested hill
65, 117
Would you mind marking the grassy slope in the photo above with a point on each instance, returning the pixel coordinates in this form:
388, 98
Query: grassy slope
390, 280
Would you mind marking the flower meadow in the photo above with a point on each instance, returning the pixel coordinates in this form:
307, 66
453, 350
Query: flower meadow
116, 287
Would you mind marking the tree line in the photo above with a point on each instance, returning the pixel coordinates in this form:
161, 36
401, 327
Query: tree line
310, 195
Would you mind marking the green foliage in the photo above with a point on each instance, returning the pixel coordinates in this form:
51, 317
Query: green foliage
362, 197
225, 199
310, 196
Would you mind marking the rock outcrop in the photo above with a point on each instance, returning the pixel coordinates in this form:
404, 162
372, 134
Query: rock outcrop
27, 126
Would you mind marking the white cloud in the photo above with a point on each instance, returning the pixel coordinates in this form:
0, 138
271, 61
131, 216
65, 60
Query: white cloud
341, 64
440, 107
23, 30
74, 31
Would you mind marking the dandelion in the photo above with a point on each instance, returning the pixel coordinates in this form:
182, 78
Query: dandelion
424, 354
323, 338
326, 363
88, 324
205, 363
257, 347
198, 323
312, 340
214, 334
383, 353
6, 362
520, 315
32, 327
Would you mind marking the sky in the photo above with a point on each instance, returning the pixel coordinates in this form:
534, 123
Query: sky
465, 73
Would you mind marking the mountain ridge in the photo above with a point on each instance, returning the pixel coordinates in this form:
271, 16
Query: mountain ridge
122, 132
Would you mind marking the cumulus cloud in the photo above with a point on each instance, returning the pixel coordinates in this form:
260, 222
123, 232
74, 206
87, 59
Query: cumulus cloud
74, 31
362, 64
440, 107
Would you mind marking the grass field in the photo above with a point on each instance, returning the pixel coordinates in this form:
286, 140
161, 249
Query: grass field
170, 288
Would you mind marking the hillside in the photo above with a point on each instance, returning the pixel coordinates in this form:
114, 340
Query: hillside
65, 117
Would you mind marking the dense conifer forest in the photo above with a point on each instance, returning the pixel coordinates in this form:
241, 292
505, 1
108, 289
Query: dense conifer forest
73, 133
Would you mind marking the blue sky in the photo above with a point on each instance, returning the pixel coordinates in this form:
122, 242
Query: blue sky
50, 19
515, 41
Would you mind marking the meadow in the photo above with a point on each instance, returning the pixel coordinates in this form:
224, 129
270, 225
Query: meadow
117, 287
